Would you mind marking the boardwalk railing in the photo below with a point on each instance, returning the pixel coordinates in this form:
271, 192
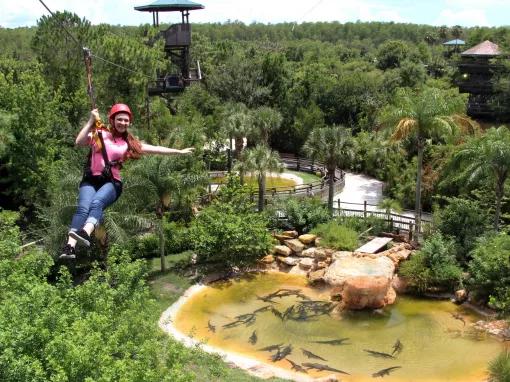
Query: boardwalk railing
293, 162
396, 221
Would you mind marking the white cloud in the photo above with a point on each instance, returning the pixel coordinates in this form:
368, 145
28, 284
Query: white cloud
464, 17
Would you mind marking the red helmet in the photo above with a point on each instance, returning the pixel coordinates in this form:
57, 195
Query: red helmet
119, 108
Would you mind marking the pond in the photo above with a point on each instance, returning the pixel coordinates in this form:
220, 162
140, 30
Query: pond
412, 340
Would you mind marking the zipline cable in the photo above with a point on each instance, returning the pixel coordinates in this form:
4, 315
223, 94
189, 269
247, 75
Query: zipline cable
307, 12
87, 51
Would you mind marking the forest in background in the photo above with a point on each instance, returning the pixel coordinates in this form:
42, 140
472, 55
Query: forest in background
283, 86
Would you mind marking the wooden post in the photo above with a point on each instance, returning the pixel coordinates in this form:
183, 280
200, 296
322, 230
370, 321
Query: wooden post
410, 231
298, 164
338, 201
365, 209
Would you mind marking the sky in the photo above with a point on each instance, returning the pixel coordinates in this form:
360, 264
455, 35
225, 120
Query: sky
467, 13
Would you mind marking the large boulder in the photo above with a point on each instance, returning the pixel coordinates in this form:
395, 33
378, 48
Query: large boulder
346, 267
282, 250
372, 292
307, 238
295, 245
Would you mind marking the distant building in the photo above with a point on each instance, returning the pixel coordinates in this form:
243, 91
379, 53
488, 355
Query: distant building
476, 68
454, 44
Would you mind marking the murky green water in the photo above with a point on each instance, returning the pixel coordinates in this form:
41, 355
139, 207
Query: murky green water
436, 345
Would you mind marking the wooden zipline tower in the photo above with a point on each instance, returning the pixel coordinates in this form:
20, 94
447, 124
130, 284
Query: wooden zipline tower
177, 44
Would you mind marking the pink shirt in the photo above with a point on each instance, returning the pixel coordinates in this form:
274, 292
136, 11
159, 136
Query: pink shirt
115, 148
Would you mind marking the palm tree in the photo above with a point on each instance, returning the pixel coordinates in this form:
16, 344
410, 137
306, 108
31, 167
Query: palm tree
237, 125
333, 146
265, 120
164, 180
487, 156
261, 160
421, 117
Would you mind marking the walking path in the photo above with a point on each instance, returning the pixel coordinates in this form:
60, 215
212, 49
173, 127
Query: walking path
358, 188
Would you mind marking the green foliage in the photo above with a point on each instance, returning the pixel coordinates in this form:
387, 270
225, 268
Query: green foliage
98, 330
464, 221
434, 265
336, 236
302, 214
176, 237
224, 237
499, 368
391, 54
372, 224
489, 271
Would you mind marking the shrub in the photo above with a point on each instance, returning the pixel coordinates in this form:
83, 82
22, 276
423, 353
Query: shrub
176, 237
465, 221
361, 225
433, 265
499, 368
490, 271
303, 214
337, 236
223, 237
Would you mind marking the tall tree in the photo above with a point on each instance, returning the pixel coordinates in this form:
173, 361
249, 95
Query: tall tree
422, 116
265, 120
334, 146
487, 156
165, 180
262, 160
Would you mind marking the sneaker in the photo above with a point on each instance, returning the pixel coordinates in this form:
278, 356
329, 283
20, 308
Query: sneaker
82, 236
68, 252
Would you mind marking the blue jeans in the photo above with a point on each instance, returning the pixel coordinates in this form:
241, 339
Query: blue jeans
93, 199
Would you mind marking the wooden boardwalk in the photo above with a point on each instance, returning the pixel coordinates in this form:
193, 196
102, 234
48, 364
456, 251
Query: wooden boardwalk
374, 245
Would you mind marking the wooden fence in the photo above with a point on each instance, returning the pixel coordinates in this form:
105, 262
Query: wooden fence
396, 221
293, 162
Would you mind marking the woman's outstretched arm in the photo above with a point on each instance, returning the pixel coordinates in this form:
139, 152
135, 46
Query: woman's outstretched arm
150, 149
82, 139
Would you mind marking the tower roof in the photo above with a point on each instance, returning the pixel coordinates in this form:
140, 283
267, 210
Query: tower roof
169, 6
486, 48
455, 42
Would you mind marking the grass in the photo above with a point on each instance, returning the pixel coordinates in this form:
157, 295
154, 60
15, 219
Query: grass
166, 288
306, 176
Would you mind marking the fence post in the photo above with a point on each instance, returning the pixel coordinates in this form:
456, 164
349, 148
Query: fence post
298, 165
391, 224
410, 231
313, 170
365, 209
338, 201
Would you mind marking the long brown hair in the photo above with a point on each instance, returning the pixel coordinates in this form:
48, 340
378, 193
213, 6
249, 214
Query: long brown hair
134, 150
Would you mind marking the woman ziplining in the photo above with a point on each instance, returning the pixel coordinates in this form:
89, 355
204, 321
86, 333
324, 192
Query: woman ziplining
101, 184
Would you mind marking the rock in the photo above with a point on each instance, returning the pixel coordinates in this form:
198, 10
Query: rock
321, 265
306, 263
316, 276
362, 292
267, 259
307, 238
289, 260
399, 284
320, 254
318, 242
336, 294
499, 328
340, 254
282, 238
297, 270
346, 267
292, 234
309, 252
460, 296
295, 245
282, 250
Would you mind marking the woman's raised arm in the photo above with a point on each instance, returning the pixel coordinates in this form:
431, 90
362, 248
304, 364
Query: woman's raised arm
82, 139
150, 149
